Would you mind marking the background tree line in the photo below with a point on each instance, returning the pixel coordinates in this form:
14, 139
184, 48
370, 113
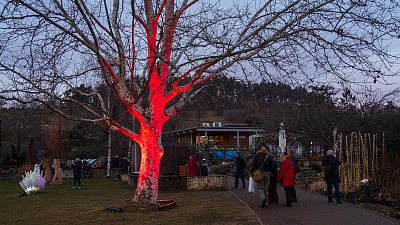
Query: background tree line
55, 136
309, 114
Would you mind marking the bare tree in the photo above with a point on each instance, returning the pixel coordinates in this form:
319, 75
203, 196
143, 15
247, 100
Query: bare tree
153, 52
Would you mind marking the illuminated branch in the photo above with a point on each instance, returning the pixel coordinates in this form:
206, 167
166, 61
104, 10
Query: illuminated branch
177, 107
176, 91
184, 7
116, 127
162, 8
200, 72
173, 110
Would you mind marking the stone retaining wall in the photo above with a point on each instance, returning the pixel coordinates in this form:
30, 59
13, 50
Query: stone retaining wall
181, 183
206, 183
168, 183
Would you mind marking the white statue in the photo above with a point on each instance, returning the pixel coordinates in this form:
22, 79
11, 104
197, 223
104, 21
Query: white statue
282, 139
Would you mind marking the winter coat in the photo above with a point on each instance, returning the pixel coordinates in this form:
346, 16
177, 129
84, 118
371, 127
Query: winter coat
193, 167
334, 162
286, 174
240, 163
77, 168
259, 159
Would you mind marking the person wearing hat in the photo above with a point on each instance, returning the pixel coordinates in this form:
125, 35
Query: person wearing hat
263, 161
77, 168
240, 164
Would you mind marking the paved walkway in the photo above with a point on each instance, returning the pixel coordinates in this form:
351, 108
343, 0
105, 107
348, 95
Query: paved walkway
311, 209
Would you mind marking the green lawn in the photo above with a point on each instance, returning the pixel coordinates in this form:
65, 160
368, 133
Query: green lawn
63, 205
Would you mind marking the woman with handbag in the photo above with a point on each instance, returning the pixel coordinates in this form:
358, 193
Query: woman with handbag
286, 177
262, 162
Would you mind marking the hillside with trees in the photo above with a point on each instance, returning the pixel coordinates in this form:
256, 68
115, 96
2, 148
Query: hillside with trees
309, 113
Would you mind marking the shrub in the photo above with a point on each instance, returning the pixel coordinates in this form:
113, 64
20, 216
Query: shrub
316, 168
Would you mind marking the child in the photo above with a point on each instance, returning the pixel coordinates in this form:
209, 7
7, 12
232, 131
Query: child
286, 177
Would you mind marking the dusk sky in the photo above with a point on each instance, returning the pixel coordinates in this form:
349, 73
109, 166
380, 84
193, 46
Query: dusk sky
383, 85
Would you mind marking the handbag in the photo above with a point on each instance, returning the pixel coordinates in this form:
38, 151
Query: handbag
256, 174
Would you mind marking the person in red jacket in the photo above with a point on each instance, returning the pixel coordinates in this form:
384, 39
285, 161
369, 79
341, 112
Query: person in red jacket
286, 177
193, 165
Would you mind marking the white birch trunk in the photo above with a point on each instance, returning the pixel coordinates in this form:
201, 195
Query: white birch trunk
109, 155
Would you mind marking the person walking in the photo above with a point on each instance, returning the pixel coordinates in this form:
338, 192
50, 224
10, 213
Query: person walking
286, 177
263, 161
193, 165
240, 164
272, 193
295, 162
77, 169
332, 177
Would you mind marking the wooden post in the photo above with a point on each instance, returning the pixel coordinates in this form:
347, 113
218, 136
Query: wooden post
183, 171
57, 179
47, 170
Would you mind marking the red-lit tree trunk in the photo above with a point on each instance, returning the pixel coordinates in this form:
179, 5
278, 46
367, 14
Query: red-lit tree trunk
147, 187
149, 140
153, 118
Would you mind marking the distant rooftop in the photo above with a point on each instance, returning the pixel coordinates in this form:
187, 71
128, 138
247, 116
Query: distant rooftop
218, 128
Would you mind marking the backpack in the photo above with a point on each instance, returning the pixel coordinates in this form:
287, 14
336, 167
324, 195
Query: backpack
329, 170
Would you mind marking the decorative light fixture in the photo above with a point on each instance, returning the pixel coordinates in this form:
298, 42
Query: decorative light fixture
165, 203
33, 182
113, 209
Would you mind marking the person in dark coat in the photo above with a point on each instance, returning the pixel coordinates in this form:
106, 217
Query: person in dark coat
124, 164
332, 177
286, 176
272, 193
295, 161
77, 169
240, 164
263, 161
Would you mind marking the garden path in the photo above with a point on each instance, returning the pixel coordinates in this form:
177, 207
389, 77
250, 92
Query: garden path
311, 209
